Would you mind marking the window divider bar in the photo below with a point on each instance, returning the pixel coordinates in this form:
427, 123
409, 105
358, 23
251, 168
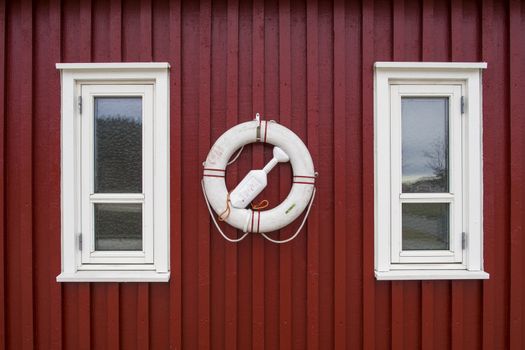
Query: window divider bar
433, 197
117, 198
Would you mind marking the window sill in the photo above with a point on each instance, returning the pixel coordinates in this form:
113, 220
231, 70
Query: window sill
114, 276
431, 275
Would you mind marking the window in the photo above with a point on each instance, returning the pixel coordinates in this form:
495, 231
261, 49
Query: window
428, 171
115, 172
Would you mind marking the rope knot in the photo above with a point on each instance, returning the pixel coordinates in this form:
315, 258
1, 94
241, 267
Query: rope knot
261, 205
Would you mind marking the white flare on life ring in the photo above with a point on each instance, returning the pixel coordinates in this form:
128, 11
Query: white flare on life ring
255, 221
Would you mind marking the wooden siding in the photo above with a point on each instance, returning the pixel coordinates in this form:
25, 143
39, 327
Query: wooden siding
308, 65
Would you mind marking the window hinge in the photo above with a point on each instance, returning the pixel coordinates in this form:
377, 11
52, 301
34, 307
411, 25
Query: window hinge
80, 104
463, 240
80, 241
462, 104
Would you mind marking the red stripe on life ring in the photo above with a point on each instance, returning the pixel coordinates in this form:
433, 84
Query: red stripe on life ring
308, 177
253, 213
258, 221
214, 175
213, 169
304, 183
265, 130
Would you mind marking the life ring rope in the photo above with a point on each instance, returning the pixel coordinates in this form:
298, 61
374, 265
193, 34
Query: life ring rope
262, 234
224, 215
215, 221
300, 227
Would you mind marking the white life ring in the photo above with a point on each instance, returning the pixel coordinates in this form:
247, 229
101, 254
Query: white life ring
255, 221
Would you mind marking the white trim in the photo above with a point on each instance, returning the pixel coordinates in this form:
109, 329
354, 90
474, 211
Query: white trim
432, 65
114, 276
89, 256
454, 254
431, 275
113, 65
466, 192
124, 77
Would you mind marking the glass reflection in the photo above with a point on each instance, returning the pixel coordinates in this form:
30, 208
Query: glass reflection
118, 145
425, 226
425, 139
118, 226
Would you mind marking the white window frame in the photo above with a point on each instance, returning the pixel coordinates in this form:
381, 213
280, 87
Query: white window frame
81, 82
461, 83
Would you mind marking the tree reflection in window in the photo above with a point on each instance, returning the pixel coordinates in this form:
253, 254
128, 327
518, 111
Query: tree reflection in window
425, 151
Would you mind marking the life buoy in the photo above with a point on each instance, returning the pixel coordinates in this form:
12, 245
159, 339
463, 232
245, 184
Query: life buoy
246, 219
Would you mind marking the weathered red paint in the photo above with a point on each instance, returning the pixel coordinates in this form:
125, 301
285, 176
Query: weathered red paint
309, 65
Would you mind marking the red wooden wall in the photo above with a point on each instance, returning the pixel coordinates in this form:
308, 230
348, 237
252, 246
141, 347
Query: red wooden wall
307, 65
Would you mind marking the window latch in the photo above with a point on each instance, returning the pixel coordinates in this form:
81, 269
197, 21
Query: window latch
463, 240
80, 104
80, 241
462, 104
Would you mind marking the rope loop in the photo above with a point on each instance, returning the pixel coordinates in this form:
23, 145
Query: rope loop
261, 205
215, 221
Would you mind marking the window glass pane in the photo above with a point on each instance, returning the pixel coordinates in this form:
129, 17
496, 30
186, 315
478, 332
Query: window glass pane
118, 226
425, 144
426, 226
118, 145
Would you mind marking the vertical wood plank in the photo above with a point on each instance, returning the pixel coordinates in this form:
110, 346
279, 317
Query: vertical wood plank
204, 145
517, 173
115, 30
146, 39
354, 180
3, 31
99, 315
285, 111
113, 319
398, 13
83, 340
23, 207
398, 323
427, 315
456, 18
19, 177
85, 31
55, 20
257, 163
325, 197
143, 316
46, 169
298, 123
427, 47
490, 185
457, 322
175, 29
367, 47
340, 174
312, 42
218, 117
232, 110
